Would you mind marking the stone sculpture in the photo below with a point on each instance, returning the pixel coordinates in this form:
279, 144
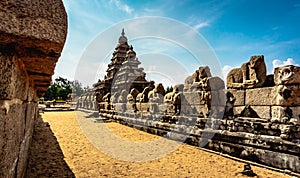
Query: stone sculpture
252, 74
106, 99
131, 98
230, 99
123, 97
114, 98
287, 75
157, 94
143, 97
174, 98
188, 84
201, 77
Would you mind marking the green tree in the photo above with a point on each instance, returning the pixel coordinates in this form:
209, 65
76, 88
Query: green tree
169, 89
59, 89
77, 88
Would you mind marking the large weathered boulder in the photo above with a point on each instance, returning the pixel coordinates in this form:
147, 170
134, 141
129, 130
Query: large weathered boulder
35, 31
32, 36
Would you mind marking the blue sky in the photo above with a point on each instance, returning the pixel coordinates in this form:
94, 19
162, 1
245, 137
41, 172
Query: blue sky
235, 30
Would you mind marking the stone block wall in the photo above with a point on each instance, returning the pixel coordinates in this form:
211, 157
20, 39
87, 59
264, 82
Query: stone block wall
32, 35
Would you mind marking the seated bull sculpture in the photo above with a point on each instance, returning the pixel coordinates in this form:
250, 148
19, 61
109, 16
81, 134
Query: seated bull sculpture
106, 98
201, 77
157, 94
174, 98
143, 97
131, 98
251, 74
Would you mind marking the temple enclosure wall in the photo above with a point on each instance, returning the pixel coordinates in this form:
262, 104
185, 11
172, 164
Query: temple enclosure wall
256, 117
32, 35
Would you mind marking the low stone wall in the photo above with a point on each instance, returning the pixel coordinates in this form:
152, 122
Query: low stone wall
255, 118
32, 35
215, 134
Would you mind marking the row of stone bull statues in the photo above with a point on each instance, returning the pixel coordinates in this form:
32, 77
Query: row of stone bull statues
87, 101
256, 118
250, 93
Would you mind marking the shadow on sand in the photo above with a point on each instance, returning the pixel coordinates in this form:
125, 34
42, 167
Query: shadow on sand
46, 157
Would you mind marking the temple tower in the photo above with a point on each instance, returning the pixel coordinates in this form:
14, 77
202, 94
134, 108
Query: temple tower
123, 72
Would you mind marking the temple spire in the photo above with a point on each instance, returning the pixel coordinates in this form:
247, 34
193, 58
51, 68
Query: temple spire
123, 33
122, 38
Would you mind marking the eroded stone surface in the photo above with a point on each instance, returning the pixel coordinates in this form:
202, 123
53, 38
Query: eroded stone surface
286, 75
35, 31
239, 96
251, 74
14, 81
32, 35
288, 95
265, 96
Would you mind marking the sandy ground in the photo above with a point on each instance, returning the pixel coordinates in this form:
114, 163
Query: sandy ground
80, 150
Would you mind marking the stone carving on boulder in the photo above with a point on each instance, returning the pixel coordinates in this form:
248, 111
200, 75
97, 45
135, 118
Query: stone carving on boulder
106, 97
287, 80
251, 74
200, 93
156, 98
114, 99
287, 75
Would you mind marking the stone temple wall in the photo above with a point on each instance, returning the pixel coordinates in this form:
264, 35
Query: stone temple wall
256, 118
32, 35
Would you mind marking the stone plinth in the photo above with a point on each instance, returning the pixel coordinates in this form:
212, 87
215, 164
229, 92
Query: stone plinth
265, 96
239, 96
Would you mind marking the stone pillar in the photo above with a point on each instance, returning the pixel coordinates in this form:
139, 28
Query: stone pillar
32, 35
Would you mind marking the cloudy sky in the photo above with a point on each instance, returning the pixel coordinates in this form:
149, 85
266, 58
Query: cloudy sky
233, 29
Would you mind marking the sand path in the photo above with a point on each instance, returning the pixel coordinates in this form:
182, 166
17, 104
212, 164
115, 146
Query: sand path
94, 160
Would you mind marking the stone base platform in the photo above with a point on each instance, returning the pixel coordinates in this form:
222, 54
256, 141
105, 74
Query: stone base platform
248, 143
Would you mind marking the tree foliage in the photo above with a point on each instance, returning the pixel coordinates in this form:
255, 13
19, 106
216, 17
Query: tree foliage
61, 88
169, 89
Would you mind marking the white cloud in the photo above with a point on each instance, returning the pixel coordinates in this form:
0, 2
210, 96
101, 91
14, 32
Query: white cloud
225, 70
200, 25
288, 61
124, 7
